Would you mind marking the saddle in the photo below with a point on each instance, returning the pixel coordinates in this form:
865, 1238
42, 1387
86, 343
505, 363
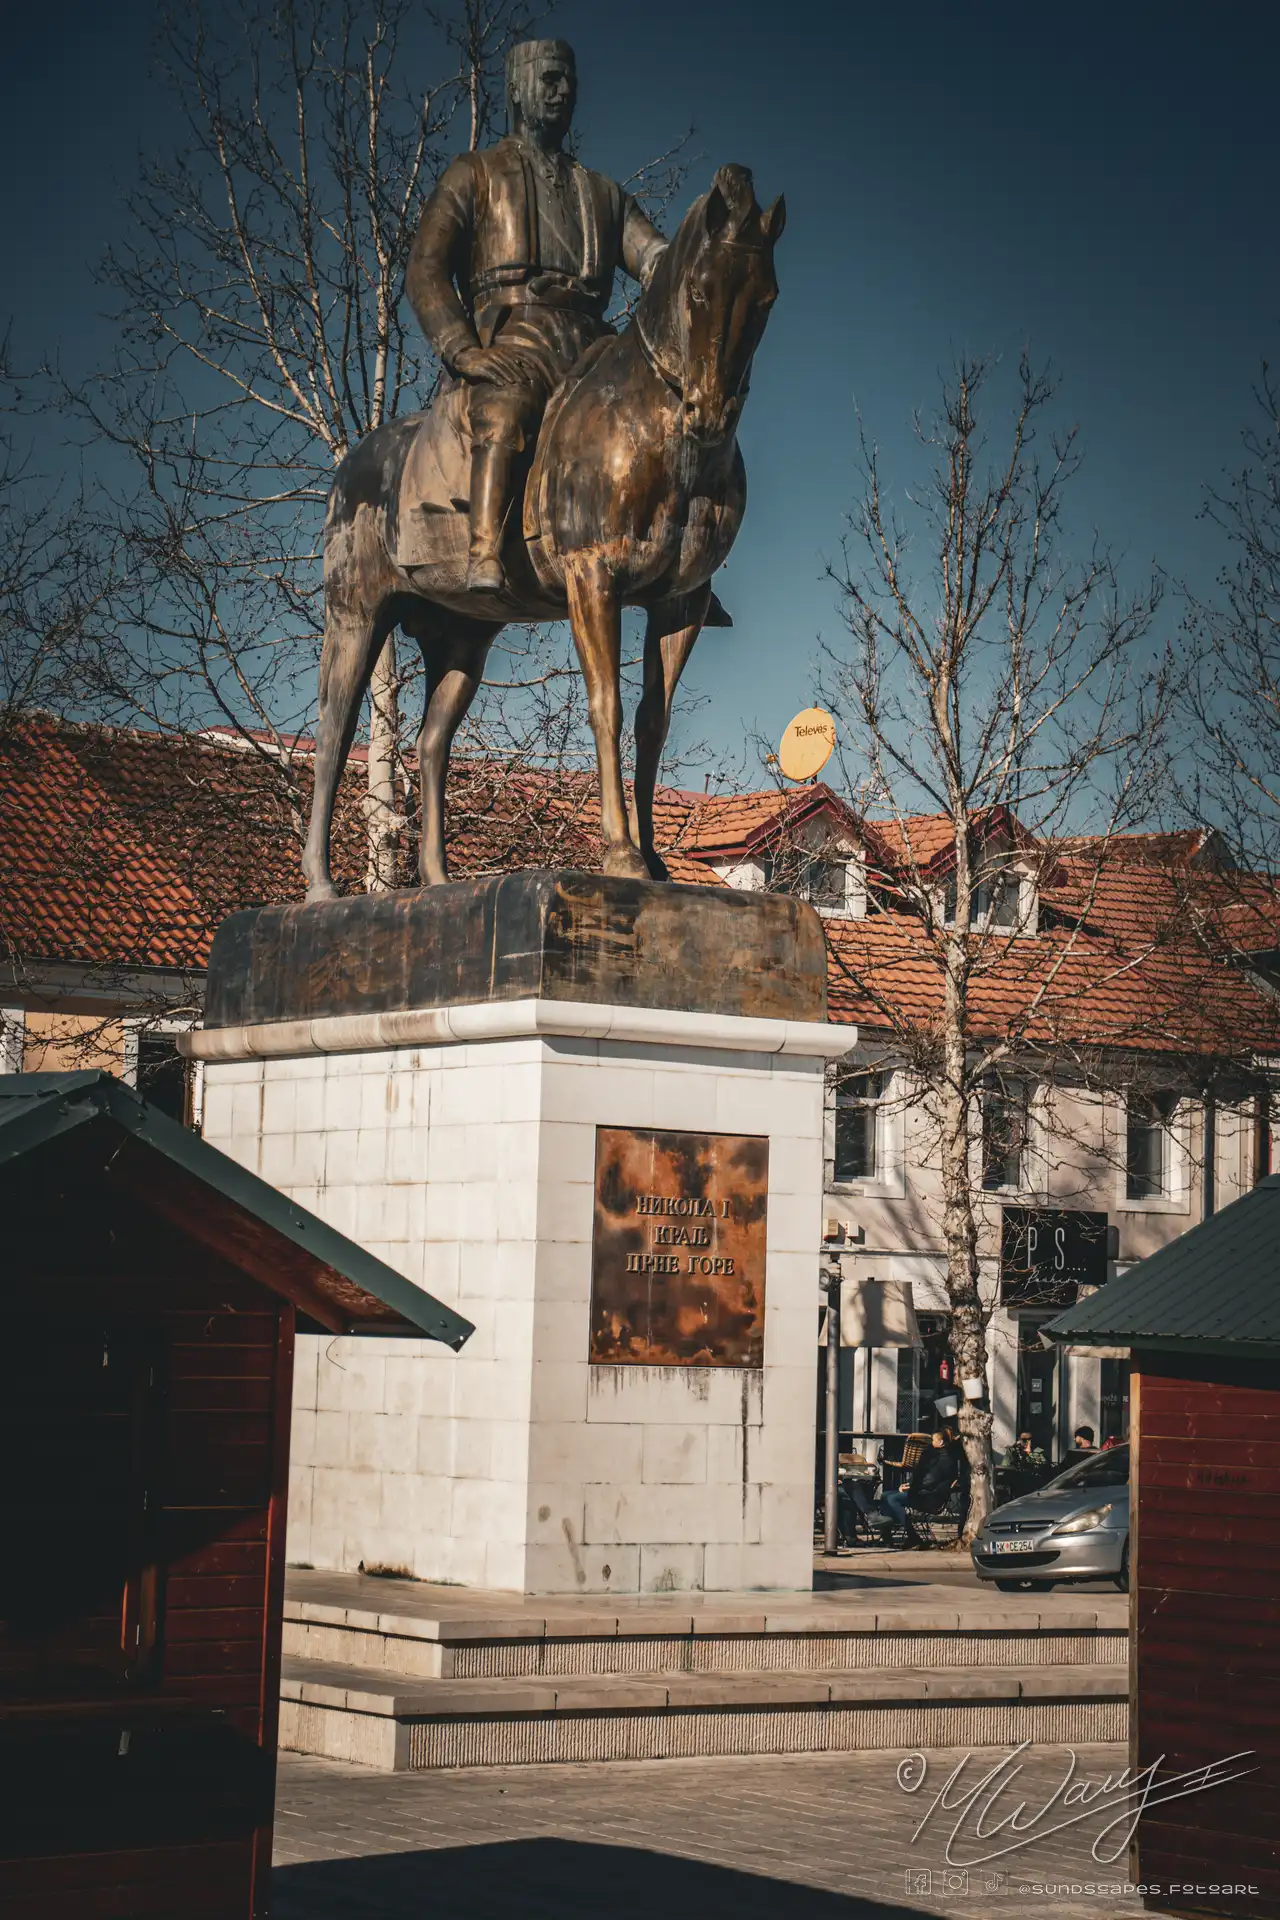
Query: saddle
432, 506
430, 524
430, 519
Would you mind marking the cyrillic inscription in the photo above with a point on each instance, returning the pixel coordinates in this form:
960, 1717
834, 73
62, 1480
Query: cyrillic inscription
678, 1253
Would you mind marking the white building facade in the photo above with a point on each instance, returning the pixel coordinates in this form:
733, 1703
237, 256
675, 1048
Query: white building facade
1075, 1173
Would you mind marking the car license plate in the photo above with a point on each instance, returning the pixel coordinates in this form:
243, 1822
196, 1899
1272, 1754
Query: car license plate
1013, 1546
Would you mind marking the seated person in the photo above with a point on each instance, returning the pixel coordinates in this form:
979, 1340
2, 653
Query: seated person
855, 1492
857, 1479
932, 1479
1022, 1457
1082, 1445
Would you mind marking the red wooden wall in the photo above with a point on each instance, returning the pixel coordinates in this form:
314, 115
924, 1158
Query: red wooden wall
1206, 1625
151, 1607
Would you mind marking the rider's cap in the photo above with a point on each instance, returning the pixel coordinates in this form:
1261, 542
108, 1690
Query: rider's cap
528, 53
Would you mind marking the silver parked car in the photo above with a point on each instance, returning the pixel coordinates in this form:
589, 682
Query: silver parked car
1073, 1528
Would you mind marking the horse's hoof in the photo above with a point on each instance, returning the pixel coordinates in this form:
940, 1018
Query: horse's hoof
626, 863
657, 866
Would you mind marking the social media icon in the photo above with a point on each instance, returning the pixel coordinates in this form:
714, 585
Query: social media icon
919, 1880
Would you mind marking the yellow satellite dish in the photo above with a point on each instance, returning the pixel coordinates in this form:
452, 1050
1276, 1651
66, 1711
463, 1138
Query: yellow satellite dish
807, 744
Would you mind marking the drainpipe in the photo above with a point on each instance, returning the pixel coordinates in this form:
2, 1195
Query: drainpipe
831, 1460
1208, 1197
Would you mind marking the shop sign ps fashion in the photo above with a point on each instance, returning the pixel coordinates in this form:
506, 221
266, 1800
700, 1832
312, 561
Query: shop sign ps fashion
678, 1248
1048, 1253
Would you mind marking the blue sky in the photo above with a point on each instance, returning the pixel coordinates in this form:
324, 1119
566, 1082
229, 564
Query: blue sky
1096, 181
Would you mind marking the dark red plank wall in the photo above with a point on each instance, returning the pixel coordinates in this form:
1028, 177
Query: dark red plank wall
218, 1497
1206, 1617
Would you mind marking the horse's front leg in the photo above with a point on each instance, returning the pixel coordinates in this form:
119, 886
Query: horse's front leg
672, 628
595, 611
454, 657
357, 621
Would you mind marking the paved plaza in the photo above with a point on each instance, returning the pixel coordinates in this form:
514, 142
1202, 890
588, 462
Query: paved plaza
800, 1837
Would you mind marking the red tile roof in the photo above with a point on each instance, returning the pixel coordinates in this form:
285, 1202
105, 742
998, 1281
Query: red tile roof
122, 848
126, 849
1129, 953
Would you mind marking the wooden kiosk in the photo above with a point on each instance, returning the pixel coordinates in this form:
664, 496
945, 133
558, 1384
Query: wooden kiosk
1202, 1318
152, 1289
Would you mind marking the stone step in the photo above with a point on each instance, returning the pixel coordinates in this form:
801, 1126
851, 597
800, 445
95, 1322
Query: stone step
525, 1643
399, 1721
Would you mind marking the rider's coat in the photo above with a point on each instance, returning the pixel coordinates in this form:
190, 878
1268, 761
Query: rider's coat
522, 246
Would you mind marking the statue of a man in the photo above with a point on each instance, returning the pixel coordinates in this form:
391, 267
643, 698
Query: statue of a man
510, 275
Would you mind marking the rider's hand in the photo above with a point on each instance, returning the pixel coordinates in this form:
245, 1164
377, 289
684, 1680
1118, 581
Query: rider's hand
491, 364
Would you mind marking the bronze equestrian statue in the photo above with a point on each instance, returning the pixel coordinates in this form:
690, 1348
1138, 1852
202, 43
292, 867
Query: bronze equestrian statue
621, 448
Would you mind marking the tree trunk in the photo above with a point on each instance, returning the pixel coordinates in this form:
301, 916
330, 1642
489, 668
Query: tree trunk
960, 1234
384, 819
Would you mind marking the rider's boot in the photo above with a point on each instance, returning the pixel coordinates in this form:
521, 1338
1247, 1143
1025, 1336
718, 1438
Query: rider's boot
490, 483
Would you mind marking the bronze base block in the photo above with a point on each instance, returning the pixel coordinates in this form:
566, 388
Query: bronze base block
541, 934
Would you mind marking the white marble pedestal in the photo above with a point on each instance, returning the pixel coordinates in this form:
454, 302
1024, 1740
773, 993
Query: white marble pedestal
459, 1146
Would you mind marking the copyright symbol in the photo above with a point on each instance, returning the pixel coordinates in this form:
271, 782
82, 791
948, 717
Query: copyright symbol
911, 1772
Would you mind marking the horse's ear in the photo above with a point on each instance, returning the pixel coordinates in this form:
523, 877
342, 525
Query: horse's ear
716, 212
775, 220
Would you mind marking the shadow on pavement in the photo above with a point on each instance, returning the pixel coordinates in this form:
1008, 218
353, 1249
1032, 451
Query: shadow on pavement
827, 1580
551, 1879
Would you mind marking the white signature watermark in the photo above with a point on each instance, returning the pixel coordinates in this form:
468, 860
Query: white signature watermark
982, 1807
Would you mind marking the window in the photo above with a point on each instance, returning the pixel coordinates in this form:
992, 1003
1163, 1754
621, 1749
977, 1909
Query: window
13, 1031
828, 883
924, 1373
1262, 1140
164, 1076
858, 1094
1109, 1469
831, 883
1114, 1399
995, 903
1149, 1146
992, 903
1006, 1127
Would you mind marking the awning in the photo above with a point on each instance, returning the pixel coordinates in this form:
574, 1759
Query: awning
337, 1286
875, 1313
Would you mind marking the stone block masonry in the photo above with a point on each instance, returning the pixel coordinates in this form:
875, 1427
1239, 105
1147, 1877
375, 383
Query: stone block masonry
468, 1163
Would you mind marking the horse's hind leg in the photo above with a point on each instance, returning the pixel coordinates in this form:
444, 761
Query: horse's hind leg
454, 650
672, 628
358, 616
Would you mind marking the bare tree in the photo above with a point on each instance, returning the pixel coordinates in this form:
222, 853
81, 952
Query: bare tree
53, 583
1232, 695
262, 334
994, 696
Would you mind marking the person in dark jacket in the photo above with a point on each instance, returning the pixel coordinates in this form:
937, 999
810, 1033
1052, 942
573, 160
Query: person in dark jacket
932, 1479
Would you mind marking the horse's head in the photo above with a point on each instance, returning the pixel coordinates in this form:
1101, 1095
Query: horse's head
706, 307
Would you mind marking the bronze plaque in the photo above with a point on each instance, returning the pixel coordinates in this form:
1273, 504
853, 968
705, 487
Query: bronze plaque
678, 1251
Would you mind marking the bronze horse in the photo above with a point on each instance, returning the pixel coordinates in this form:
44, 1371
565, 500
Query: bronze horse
634, 498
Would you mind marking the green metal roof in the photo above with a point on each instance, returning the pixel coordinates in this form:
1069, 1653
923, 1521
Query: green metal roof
362, 1292
1214, 1289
